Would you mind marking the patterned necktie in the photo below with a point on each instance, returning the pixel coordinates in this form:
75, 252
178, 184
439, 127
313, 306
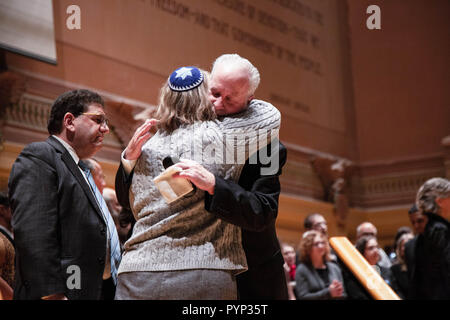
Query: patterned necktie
114, 244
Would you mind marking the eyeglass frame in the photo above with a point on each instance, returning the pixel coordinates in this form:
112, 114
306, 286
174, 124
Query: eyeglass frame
104, 120
316, 244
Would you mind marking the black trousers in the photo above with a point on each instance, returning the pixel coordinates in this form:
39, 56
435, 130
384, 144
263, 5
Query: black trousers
264, 282
108, 289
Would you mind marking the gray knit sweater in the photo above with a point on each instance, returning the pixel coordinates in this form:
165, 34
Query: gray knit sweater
183, 235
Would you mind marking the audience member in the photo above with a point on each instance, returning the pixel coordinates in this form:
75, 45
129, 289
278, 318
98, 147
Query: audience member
115, 209
97, 173
399, 269
401, 231
109, 194
418, 220
127, 221
66, 243
110, 197
430, 274
290, 266
367, 245
5, 217
368, 229
316, 221
316, 276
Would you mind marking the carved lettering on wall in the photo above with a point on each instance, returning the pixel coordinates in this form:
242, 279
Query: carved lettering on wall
257, 42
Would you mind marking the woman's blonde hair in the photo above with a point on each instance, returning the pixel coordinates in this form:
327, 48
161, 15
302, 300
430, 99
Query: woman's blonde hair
177, 108
306, 245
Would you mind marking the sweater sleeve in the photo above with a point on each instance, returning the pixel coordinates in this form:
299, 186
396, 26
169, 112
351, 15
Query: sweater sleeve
259, 115
250, 130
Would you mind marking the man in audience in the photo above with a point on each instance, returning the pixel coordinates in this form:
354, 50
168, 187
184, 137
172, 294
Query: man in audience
368, 229
419, 222
315, 221
418, 219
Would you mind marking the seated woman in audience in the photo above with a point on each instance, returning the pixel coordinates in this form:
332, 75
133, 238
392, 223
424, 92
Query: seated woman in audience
368, 247
399, 269
316, 276
290, 266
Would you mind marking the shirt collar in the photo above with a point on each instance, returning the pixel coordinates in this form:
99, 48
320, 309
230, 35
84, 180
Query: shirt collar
71, 150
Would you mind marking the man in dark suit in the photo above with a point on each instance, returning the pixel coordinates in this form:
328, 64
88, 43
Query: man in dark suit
59, 228
252, 203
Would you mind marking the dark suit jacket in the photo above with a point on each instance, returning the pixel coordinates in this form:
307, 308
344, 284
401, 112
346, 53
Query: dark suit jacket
428, 257
251, 204
410, 260
57, 224
400, 278
310, 286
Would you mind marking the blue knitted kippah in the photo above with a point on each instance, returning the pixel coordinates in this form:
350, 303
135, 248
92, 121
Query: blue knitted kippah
185, 78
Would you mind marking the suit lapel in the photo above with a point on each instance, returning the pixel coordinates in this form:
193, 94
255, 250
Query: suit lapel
73, 168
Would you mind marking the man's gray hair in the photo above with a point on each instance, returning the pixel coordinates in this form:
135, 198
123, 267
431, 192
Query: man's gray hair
429, 191
237, 60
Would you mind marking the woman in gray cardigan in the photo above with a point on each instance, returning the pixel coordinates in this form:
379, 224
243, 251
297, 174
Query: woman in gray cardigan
317, 278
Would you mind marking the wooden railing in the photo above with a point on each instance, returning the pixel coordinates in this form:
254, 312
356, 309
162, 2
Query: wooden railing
362, 270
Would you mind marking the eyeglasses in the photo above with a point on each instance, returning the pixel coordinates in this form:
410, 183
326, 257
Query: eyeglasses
319, 243
321, 223
98, 118
368, 234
